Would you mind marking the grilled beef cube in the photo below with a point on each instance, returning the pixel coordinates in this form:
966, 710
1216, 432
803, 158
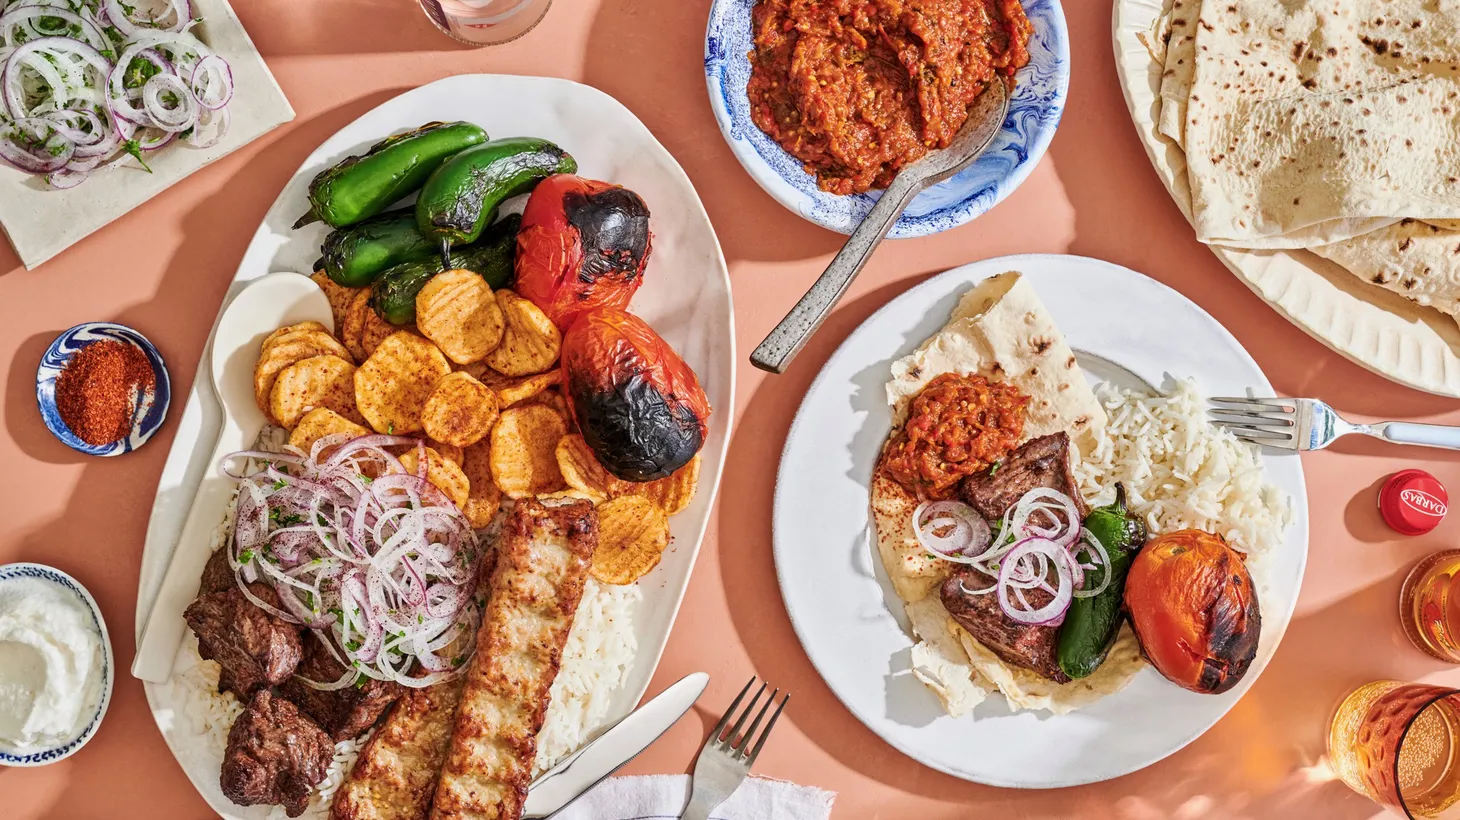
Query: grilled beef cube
1039, 462
1029, 647
276, 755
256, 649
217, 574
343, 713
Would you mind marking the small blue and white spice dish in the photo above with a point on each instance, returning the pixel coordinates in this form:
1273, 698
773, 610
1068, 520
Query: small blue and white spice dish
103, 389
56, 665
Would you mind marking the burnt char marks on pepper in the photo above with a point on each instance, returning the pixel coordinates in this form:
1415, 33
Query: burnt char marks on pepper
613, 227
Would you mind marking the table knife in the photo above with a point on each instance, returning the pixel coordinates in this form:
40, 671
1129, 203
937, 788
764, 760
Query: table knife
558, 787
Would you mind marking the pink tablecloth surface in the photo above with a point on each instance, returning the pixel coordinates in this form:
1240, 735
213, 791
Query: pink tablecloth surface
165, 267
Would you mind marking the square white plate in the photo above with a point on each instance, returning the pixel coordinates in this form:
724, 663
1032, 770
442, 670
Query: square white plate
42, 222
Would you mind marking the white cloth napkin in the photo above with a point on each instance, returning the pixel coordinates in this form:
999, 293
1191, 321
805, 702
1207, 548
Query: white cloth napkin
662, 797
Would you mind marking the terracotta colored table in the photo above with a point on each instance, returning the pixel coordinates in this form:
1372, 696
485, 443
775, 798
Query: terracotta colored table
164, 269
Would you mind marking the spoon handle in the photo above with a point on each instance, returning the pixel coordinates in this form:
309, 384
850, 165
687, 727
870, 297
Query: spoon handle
781, 346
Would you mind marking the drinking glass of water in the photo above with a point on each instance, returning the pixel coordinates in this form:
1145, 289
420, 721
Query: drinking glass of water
486, 22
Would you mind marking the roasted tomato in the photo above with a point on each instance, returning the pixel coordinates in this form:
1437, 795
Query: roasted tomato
1193, 608
640, 407
583, 244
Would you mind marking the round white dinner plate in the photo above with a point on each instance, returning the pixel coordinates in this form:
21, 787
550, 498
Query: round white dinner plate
1121, 324
685, 297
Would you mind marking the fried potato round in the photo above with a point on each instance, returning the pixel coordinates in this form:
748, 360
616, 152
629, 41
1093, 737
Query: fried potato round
524, 451
309, 325
285, 349
531, 342
321, 422
582, 472
353, 327
444, 475
558, 403
457, 311
674, 492
375, 330
339, 296
319, 381
450, 452
460, 411
632, 535
485, 499
392, 386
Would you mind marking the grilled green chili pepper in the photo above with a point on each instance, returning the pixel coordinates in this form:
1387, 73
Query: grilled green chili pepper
356, 255
1091, 624
462, 196
363, 186
394, 293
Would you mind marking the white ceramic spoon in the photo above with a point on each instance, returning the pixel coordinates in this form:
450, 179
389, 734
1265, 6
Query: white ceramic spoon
269, 303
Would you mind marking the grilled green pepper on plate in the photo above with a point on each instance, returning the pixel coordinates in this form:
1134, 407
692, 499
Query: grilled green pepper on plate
1091, 624
394, 294
462, 196
362, 186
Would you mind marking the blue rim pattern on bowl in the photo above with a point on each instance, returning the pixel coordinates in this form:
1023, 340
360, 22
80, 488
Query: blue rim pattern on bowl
149, 416
70, 747
1034, 114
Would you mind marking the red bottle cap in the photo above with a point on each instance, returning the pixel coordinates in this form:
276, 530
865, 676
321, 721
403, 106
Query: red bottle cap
1413, 502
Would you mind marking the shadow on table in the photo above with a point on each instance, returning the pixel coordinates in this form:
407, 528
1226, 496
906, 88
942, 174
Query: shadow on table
663, 83
351, 27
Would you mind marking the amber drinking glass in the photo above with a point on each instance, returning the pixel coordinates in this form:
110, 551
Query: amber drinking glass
1399, 743
1429, 605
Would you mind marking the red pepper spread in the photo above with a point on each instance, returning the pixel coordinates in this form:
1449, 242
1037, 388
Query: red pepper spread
957, 426
856, 89
98, 390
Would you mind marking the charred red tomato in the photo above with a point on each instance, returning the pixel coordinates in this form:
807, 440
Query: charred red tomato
639, 405
583, 244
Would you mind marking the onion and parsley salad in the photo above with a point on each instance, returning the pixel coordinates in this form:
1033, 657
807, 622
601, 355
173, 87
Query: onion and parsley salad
357, 547
87, 83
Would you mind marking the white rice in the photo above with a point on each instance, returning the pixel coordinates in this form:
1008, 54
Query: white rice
596, 663
1181, 472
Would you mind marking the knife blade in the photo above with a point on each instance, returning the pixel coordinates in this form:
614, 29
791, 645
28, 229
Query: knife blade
561, 785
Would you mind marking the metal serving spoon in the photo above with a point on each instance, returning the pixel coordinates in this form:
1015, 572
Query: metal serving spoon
985, 118
268, 302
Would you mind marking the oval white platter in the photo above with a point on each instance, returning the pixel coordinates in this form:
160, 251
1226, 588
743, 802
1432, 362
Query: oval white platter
1376, 329
686, 297
838, 596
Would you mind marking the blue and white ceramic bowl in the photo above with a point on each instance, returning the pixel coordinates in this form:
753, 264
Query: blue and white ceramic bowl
43, 757
1034, 112
150, 412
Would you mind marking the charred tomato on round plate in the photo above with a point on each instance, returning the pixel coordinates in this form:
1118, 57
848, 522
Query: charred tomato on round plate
583, 245
640, 407
1193, 608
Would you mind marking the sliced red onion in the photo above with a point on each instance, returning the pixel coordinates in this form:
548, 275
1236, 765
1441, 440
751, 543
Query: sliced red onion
179, 10
951, 530
35, 147
90, 33
384, 568
1089, 542
184, 113
33, 55
1051, 553
212, 82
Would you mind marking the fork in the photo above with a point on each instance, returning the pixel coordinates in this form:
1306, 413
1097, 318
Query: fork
1310, 424
725, 759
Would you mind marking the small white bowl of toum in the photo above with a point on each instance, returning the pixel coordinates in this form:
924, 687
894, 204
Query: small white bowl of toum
56, 666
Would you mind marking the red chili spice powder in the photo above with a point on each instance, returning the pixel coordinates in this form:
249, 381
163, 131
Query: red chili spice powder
98, 390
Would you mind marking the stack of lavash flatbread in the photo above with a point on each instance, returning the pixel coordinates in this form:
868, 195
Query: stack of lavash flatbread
1000, 330
1329, 125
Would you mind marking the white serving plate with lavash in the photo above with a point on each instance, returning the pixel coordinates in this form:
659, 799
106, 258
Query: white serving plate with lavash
841, 601
686, 297
1381, 331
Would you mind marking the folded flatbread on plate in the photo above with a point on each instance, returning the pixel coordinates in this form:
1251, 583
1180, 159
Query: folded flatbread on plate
1330, 126
1000, 330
